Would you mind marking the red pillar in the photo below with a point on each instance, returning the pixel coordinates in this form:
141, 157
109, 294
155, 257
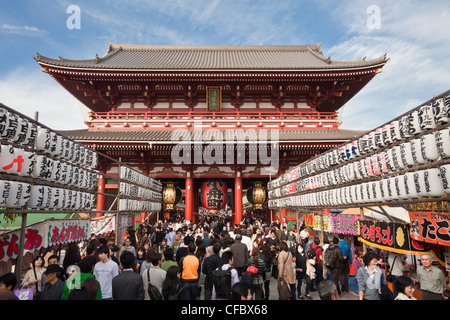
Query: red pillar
101, 197
188, 198
237, 199
195, 205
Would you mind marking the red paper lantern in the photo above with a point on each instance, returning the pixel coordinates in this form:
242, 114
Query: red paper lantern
214, 195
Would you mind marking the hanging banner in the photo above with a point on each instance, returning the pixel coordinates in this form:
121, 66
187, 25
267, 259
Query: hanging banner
309, 220
388, 236
34, 240
43, 235
318, 222
105, 225
432, 227
66, 231
214, 98
346, 224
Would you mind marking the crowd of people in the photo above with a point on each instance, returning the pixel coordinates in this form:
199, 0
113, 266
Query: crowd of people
208, 260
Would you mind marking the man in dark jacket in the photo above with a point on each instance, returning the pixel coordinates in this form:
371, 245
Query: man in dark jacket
128, 285
210, 264
334, 260
240, 254
53, 285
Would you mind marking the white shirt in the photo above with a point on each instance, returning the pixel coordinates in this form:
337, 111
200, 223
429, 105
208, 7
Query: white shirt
104, 273
248, 242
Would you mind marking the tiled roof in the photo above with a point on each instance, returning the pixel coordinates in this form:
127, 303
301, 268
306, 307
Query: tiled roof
162, 135
212, 57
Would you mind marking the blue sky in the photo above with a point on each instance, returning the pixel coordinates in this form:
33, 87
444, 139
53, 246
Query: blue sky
414, 34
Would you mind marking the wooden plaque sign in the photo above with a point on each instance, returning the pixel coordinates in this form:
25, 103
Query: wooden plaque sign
214, 99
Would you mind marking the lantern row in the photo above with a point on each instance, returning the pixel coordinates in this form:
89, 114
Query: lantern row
134, 176
426, 149
138, 205
27, 164
14, 194
427, 117
135, 191
411, 185
21, 131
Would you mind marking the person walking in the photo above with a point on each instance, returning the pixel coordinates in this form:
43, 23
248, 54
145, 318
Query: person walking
33, 277
431, 279
300, 268
127, 285
285, 270
348, 261
210, 264
256, 261
240, 254
127, 247
54, 286
369, 278
154, 275
104, 271
190, 272
334, 261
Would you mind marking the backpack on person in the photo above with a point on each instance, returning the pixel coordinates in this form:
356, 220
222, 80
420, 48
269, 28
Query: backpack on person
331, 257
222, 282
153, 291
249, 275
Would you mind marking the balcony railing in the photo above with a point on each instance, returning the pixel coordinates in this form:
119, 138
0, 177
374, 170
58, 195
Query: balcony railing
224, 119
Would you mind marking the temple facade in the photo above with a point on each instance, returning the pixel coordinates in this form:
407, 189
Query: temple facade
191, 114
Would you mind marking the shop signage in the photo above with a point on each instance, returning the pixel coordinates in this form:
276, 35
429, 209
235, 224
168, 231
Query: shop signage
433, 227
347, 224
388, 236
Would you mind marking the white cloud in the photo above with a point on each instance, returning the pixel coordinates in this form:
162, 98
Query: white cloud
415, 37
29, 90
21, 30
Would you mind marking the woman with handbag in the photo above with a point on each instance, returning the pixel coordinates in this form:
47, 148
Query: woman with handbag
256, 261
33, 277
286, 275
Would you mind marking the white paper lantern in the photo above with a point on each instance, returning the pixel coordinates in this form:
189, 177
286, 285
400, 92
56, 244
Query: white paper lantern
39, 197
399, 183
414, 123
404, 127
43, 167
395, 130
440, 112
382, 162
445, 177
429, 148
43, 140
11, 123
56, 171
394, 188
406, 153
375, 164
5, 188
28, 164
11, 159
416, 151
378, 138
397, 157
21, 131
30, 138
419, 180
433, 182
19, 194
426, 117
3, 121
368, 166
386, 134
410, 185
371, 141
443, 142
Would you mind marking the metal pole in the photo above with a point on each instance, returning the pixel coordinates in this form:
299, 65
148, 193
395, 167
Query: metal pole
361, 217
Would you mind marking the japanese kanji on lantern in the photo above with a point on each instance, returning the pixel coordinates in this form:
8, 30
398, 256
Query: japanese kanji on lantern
214, 195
